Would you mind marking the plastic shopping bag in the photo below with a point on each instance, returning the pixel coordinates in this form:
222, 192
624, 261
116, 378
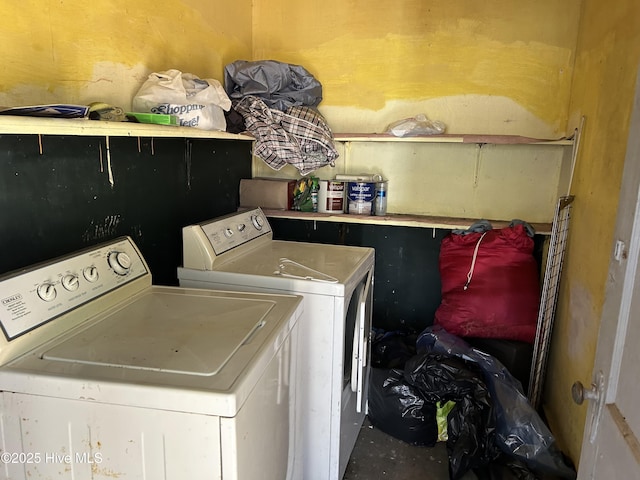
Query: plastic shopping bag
198, 103
415, 126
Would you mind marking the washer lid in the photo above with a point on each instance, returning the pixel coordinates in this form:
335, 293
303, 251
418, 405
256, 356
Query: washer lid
181, 349
263, 267
190, 335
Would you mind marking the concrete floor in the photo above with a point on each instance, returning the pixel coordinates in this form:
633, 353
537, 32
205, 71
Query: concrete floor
379, 456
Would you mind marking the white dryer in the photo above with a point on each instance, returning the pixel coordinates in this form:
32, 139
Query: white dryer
238, 252
103, 375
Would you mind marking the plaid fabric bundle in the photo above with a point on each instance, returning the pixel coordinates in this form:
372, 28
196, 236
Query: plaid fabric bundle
299, 137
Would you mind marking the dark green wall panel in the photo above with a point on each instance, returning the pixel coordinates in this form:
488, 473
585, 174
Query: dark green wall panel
56, 196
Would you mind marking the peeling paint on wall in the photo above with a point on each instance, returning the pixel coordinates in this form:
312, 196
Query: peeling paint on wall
78, 52
607, 60
417, 51
480, 114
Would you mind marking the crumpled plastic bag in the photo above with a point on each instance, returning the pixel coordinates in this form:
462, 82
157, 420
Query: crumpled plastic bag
279, 85
470, 423
392, 349
399, 409
197, 102
302, 194
519, 430
415, 126
442, 413
506, 467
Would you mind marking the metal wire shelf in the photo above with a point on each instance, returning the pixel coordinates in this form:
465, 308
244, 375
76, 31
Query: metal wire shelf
549, 298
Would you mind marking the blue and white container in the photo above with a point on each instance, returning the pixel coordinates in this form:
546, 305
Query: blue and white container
361, 198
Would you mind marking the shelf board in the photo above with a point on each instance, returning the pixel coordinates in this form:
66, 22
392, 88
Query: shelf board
400, 220
12, 124
451, 138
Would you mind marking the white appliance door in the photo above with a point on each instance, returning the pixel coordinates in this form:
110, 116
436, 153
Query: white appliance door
361, 344
356, 369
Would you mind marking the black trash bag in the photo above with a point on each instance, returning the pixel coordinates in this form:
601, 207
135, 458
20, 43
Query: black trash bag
520, 432
279, 85
392, 349
471, 433
505, 468
399, 409
471, 443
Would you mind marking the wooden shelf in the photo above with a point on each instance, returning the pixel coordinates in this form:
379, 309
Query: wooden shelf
12, 124
451, 138
401, 220
84, 127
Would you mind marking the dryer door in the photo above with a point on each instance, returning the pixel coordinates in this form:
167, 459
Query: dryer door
358, 333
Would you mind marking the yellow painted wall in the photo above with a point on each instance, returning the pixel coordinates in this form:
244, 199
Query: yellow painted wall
607, 60
499, 66
497, 182
73, 51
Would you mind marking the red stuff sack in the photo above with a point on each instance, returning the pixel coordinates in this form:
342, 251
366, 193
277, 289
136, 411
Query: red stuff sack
490, 284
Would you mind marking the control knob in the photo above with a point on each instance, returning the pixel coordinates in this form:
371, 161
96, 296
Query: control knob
119, 262
257, 221
47, 291
90, 274
70, 282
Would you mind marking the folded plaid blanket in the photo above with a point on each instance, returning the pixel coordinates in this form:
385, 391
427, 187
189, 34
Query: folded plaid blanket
299, 136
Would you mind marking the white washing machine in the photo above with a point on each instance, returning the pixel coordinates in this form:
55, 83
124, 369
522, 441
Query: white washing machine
238, 252
103, 375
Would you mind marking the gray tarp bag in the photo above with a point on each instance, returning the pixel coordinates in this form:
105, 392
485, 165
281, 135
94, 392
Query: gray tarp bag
279, 85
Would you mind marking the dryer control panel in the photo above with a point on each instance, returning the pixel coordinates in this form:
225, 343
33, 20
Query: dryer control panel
38, 295
231, 231
224, 238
